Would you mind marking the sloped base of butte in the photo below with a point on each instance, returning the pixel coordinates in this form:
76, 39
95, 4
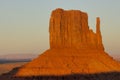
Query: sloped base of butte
74, 48
69, 61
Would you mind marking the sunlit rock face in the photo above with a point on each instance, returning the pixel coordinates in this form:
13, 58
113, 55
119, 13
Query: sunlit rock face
74, 48
70, 29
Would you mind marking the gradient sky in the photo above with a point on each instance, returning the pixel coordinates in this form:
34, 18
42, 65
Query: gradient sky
24, 23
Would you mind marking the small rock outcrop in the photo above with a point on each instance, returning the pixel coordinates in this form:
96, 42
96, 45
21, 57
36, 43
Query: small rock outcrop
74, 48
70, 29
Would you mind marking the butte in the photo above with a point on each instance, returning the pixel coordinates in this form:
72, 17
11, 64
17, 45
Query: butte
74, 48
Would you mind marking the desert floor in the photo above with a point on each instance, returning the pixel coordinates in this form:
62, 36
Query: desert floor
4, 68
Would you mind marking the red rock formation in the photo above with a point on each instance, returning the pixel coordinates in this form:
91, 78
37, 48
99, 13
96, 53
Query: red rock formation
74, 48
69, 29
98, 34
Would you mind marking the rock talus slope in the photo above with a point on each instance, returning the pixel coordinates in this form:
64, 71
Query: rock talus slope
74, 48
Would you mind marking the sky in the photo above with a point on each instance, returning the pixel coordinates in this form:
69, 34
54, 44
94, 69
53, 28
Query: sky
24, 24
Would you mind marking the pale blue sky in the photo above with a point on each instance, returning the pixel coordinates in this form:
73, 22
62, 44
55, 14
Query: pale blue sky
24, 23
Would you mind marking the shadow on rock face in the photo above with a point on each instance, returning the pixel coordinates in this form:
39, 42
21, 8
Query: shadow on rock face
99, 76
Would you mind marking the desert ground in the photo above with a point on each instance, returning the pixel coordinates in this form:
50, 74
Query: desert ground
6, 67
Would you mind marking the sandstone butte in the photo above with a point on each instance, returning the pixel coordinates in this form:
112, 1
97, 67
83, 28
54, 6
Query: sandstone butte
74, 48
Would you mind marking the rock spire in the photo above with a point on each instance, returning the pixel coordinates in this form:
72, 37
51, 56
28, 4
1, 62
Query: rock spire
98, 34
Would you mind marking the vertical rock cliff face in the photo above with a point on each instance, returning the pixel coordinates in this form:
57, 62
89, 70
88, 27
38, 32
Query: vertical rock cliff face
69, 29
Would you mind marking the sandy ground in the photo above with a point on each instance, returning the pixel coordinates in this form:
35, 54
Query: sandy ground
4, 68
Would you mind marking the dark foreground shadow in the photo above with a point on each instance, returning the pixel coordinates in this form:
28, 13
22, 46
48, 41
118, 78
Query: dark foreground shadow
100, 76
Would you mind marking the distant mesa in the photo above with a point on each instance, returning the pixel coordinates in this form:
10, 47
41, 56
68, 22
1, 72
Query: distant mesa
74, 48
